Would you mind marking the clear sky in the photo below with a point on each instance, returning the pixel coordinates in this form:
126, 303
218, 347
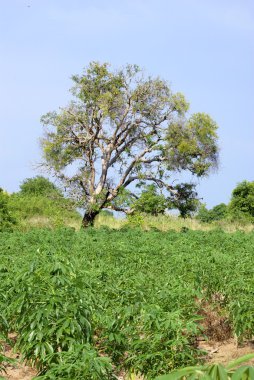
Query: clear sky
204, 48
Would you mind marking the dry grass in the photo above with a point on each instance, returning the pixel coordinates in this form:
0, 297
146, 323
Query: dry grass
171, 222
47, 222
146, 222
109, 221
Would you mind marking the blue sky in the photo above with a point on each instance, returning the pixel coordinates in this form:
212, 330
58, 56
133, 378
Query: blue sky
205, 49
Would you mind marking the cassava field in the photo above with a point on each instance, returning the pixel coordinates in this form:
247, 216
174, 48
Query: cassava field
102, 304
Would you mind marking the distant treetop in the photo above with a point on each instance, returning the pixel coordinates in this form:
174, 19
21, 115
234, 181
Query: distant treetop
38, 186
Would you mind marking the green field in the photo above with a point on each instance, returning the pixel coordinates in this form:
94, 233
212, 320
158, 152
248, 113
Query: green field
89, 305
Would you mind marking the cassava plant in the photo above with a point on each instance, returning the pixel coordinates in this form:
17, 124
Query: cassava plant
48, 309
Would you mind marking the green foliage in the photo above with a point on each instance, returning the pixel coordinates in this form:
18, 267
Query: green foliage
27, 207
97, 302
4, 328
126, 127
160, 330
79, 364
135, 220
7, 220
203, 214
218, 212
242, 201
193, 146
39, 186
150, 202
107, 213
185, 200
214, 371
123, 201
40, 198
48, 307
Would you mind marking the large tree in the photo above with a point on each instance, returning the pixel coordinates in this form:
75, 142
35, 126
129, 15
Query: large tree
121, 129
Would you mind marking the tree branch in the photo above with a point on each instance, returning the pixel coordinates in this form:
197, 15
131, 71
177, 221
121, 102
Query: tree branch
120, 209
159, 182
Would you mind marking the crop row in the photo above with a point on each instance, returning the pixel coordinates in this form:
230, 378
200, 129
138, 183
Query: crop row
94, 303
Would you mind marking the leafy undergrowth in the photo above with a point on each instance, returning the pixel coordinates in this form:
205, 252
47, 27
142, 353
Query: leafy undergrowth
93, 304
234, 371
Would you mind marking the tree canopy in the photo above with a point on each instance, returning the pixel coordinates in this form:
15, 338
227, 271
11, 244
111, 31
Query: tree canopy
150, 201
218, 212
186, 200
39, 186
124, 129
242, 201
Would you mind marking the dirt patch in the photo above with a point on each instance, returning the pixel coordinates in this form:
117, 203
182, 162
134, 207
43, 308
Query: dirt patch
227, 351
21, 372
17, 371
220, 345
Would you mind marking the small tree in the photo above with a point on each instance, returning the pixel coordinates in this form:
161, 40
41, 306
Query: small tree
219, 211
123, 128
203, 214
186, 200
242, 201
150, 201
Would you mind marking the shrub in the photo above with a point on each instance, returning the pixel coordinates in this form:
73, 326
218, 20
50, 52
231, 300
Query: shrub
150, 202
218, 212
39, 186
241, 205
7, 220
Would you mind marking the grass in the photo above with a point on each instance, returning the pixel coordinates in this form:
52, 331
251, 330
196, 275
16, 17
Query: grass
171, 222
146, 222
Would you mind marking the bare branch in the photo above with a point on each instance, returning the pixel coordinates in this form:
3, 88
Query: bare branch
159, 182
121, 209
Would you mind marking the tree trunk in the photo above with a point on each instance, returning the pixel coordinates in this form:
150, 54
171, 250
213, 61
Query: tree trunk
88, 218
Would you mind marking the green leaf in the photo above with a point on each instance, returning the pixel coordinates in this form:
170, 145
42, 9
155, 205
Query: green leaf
239, 361
178, 374
242, 373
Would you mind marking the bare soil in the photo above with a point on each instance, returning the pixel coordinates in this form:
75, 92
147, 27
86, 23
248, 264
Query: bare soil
18, 371
227, 351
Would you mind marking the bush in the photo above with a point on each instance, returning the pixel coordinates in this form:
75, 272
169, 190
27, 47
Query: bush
39, 186
40, 199
241, 205
150, 202
7, 220
29, 206
218, 212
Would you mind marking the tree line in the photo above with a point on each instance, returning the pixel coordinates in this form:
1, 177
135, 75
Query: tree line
39, 197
